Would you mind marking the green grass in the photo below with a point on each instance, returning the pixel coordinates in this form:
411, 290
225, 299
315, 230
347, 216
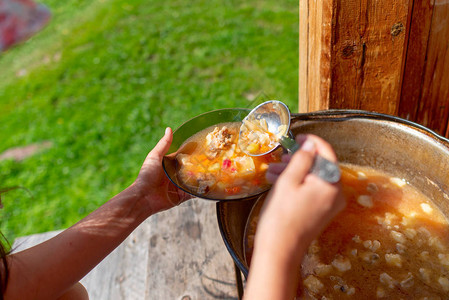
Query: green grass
105, 78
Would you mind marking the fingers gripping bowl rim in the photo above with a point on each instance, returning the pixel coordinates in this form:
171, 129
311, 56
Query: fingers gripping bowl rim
193, 126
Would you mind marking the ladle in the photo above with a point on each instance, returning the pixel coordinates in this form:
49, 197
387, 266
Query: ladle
273, 117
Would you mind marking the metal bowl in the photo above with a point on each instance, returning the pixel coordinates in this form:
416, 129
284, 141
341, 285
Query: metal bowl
189, 128
390, 144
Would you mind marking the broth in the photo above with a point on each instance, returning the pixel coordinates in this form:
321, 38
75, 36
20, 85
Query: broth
390, 242
217, 168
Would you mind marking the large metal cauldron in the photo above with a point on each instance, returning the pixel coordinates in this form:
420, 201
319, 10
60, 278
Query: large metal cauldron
390, 144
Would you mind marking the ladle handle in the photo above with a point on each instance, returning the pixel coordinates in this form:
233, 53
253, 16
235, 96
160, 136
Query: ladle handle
323, 168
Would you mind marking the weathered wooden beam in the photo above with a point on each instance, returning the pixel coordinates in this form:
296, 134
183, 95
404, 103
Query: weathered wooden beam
432, 92
315, 30
386, 56
421, 19
351, 54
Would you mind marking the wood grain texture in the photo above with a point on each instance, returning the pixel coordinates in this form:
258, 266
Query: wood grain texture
187, 257
315, 30
386, 56
433, 108
303, 96
121, 275
355, 52
414, 70
177, 254
368, 49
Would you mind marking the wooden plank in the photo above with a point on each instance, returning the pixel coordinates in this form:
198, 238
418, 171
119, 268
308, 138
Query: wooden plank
177, 254
433, 110
351, 54
303, 98
315, 54
187, 257
411, 92
368, 50
121, 275
346, 42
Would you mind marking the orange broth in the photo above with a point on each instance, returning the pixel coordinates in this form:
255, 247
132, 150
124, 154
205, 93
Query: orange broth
217, 168
390, 242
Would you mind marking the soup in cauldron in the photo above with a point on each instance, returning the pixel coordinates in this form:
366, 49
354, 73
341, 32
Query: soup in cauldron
217, 168
390, 242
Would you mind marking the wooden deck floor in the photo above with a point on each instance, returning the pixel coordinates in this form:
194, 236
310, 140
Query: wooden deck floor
177, 254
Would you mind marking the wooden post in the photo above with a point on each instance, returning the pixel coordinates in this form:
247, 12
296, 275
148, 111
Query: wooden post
386, 56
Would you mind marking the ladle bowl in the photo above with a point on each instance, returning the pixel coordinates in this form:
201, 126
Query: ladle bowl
275, 117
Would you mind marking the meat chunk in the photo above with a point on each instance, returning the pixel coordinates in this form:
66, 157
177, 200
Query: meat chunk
205, 181
218, 140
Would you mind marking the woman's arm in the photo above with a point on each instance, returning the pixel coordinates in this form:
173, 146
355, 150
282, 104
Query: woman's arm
297, 209
49, 269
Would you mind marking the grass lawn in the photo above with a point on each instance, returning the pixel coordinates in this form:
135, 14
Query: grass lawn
106, 77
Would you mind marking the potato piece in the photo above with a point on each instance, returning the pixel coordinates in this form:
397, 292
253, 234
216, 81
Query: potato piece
381, 221
183, 159
389, 218
380, 292
263, 124
436, 243
365, 201
398, 182
406, 221
350, 291
252, 148
387, 280
372, 188
394, 260
425, 255
425, 274
361, 176
400, 248
370, 257
282, 130
408, 282
444, 259
372, 245
368, 244
426, 208
214, 168
313, 284
444, 282
398, 237
424, 232
356, 239
410, 233
322, 270
341, 263
263, 167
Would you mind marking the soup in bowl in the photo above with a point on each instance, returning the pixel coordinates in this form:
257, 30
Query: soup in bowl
206, 161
